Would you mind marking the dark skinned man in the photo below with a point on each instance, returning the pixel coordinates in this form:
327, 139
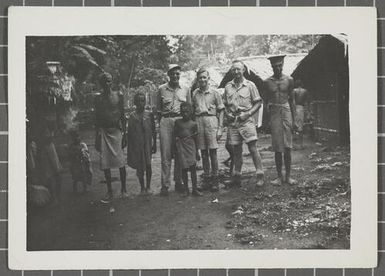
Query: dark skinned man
110, 124
279, 93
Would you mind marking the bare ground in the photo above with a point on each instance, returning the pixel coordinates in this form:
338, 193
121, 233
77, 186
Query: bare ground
313, 214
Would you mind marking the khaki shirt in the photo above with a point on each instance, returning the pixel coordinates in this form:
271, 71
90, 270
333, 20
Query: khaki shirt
169, 99
240, 99
206, 102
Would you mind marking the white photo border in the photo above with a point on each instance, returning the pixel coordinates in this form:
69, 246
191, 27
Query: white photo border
359, 24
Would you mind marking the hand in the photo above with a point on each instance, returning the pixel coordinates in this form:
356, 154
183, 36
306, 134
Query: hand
124, 140
153, 148
198, 156
243, 116
219, 133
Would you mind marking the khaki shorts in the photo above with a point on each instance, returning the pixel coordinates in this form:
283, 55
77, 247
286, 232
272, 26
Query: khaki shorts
242, 132
207, 132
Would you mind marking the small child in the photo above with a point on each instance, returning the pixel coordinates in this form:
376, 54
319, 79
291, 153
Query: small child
186, 131
141, 141
80, 162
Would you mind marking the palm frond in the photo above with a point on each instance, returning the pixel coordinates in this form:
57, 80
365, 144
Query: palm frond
83, 53
93, 48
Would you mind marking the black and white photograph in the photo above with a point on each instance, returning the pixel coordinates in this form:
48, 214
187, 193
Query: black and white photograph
159, 141
188, 142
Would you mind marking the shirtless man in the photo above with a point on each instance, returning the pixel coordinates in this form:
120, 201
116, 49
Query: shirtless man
110, 124
300, 99
280, 100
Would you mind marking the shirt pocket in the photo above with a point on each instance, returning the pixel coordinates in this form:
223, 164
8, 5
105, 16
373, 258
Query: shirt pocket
166, 103
211, 107
181, 95
244, 98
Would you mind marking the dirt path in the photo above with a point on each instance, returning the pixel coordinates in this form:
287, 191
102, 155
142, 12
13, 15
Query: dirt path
154, 222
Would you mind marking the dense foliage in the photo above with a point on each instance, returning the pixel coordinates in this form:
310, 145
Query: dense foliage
137, 63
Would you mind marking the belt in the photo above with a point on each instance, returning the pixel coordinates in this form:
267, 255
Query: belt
205, 115
170, 115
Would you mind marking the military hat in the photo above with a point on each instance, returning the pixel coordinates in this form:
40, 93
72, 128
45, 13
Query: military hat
276, 59
173, 67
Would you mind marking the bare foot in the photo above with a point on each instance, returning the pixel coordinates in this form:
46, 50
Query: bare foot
290, 181
277, 182
260, 181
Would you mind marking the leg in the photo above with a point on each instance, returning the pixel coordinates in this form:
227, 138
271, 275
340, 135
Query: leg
287, 159
257, 161
232, 161
193, 173
122, 172
206, 169
177, 168
148, 177
238, 161
177, 175
214, 170
230, 151
140, 175
185, 181
278, 165
107, 175
165, 153
205, 162
300, 140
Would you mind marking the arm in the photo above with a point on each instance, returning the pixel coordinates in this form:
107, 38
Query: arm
256, 101
267, 94
153, 133
97, 125
96, 113
195, 135
228, 115
123, 120
291, 99
220, 110
159, 105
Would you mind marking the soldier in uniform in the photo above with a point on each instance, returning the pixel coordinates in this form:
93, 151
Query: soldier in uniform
169, 98
242, 100
208, 109
279, 94
110, 124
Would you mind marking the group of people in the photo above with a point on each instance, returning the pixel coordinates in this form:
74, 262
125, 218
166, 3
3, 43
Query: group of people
190, 125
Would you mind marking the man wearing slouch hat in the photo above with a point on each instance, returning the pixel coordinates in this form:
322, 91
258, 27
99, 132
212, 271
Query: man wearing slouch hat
169, 98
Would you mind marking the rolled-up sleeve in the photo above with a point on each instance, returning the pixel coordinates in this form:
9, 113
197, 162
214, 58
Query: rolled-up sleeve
218, 100
188, 96
254, 94
159, 101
